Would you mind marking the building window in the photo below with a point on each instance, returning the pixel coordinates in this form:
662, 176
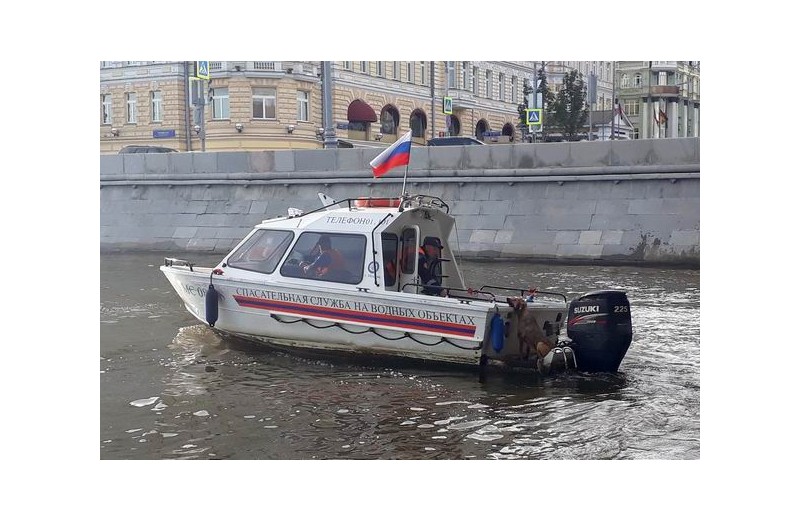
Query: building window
662, 78
105, 110
635, 133
156, 105
381, 71
464, 74
365, 67
632, 107
501, 86
302, 105
423, 72
514, 90
220, 104
488, 83
395, 70
264, 101
625, 82
347, 65
637, 80
451, 74
130, 99
410, 72
475, 80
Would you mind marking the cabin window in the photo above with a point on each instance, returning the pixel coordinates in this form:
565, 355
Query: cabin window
408, 259
333, 257
262, 251
390, 248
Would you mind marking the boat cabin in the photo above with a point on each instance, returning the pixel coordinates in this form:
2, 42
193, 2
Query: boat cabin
371, 244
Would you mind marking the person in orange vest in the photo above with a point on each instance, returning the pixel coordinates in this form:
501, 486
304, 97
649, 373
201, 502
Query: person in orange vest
427, 262
327, 260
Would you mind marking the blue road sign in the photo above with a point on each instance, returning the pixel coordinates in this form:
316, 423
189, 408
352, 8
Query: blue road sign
202, 70
534, 116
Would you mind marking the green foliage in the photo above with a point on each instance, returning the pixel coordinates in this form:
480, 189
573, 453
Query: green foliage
523, 120
569, 110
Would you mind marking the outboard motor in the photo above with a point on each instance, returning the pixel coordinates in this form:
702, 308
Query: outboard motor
599, 324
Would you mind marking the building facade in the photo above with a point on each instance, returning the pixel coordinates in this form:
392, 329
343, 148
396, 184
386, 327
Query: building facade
661, 98
258, 105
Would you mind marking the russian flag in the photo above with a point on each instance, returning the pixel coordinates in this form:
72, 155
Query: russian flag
396, 155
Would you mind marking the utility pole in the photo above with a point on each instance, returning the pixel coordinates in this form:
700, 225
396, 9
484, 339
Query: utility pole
187, 124
433, 100
330, 140
613, 96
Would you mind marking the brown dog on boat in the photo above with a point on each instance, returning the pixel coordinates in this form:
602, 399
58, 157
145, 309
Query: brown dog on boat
530, 333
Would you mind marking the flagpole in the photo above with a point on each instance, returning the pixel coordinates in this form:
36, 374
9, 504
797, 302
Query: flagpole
403, 191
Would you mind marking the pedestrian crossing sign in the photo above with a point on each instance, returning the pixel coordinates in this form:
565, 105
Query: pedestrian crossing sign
202, 70
447, 105
533, 116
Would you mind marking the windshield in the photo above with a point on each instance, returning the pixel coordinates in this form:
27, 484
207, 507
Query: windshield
262, 251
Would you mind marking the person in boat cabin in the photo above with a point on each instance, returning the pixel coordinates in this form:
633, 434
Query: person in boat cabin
325, 260
427, 262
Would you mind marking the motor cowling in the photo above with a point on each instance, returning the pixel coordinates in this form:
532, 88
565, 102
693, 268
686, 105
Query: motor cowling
599, 325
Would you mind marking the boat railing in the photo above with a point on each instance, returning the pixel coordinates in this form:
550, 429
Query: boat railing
454, 292
424, 201
530, 292
170, 262
407, 201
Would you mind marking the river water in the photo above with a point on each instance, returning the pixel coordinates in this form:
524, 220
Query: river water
172, 389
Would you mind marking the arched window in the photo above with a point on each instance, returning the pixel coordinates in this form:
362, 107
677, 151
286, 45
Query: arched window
390, 120
418, 123
481, 128
637, 80
626, 81
454, 125
508, 129
359, 117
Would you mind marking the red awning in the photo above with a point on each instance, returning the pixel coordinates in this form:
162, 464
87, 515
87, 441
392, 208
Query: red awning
361, 112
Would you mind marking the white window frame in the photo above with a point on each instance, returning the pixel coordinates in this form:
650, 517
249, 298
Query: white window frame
347, 65
410, 71
451, 74
265, 93
156, 106
514, 90
626, 81
302, 105
501, 86
423, 73
365, 67
130, 102
464, 74
475, 80
105, 109
220, 104
379, 66
488, 83
631, 107
637, 80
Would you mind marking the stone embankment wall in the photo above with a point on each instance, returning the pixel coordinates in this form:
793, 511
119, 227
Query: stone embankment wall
621, 201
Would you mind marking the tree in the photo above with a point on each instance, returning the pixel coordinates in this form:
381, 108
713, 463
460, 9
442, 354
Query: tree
521, 108
547, 100
569, 111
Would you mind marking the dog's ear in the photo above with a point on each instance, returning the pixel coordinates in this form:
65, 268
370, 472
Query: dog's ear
516, 303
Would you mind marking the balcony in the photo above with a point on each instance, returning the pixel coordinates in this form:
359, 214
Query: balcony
664, 90
664, 65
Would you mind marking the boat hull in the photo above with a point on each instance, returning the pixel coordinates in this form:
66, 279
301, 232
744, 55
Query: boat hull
326, 319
